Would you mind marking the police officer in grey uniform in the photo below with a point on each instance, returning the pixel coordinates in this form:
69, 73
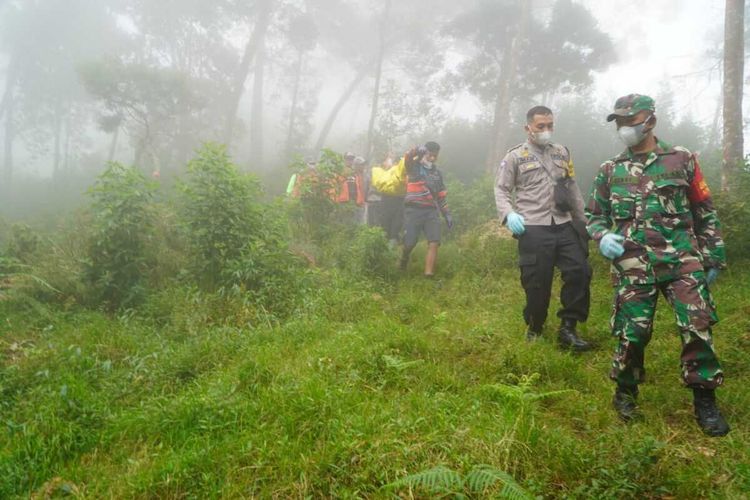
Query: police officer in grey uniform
538, 200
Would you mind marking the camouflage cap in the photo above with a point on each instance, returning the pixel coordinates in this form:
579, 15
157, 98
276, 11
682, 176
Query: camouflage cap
630, 105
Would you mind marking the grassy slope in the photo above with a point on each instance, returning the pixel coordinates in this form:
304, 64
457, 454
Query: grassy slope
366, 386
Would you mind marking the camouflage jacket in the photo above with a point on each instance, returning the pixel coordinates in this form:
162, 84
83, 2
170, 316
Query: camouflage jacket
661, 204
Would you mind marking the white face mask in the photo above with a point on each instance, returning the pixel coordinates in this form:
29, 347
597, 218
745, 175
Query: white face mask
542, 138
632, 136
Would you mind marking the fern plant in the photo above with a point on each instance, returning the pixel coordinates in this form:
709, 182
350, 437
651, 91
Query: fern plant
445, 481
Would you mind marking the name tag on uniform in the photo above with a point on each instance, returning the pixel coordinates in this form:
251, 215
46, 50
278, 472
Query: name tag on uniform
525, 167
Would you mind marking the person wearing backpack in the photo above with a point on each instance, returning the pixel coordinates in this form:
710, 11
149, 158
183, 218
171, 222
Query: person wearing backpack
424, 203
538, 200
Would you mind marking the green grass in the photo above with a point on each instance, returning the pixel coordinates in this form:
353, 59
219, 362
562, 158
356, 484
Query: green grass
366, 385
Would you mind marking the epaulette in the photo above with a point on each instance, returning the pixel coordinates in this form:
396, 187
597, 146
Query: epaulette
619, 157
516, 147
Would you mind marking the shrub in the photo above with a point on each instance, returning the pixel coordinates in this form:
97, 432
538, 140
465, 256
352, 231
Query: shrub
23, 243
121, 227
315, 216
734, 212
472, 205
368, 254
219, 211
266, 271
236, 243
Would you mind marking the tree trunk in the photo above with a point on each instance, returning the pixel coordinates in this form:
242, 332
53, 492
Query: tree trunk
734, 59
506, 88
66, 150
113, 145
293, 111
9, 136
256, 113
378, 75
8, 105
58, 123
337, 107
243, 70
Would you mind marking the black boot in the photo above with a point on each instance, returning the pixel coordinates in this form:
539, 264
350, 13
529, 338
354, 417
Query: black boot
532, 335
533, 330
568, 337
708, 416
625, 404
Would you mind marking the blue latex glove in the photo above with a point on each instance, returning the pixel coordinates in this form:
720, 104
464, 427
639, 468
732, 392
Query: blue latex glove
449, 220
711, 274
611, 245
515, 223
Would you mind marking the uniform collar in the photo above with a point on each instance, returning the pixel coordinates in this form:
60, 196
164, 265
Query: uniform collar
535, 148
662, 148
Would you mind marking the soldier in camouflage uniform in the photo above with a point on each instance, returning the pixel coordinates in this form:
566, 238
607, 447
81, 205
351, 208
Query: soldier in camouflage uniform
526, 194
651, 212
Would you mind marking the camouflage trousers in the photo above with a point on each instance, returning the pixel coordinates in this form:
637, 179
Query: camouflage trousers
632, 322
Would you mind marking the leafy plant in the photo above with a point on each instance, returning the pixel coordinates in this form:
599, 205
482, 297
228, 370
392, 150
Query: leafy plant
734, 212
23, 243
219, 212
367, 254
237, 244
445, 481
315, 214
121, 228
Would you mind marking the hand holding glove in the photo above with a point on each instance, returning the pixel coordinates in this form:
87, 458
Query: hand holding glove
711, 274
449, 220
515, 223
611, 245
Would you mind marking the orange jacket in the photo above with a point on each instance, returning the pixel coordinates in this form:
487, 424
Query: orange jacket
344, 196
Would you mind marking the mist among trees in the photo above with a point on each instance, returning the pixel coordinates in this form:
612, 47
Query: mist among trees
146, 83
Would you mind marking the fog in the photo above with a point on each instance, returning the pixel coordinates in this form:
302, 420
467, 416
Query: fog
145, 82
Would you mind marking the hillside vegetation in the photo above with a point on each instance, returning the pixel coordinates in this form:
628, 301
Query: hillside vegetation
164, 344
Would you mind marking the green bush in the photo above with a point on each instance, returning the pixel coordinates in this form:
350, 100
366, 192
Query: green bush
368, 254
313, 214
237, 244
23, 243
220, 211
116, 266
472, 205
734, 213
266, 271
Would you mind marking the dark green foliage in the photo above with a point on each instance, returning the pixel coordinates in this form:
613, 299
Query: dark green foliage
236, 244
314, 214
220, 212
629, 478
472, 204
116, 266
734, 214
368, 254
23, 243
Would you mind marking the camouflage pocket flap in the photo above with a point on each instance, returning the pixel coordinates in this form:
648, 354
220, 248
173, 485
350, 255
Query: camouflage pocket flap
623, 209
672, 195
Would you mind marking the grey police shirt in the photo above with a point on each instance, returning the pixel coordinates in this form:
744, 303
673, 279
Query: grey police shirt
528, 173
